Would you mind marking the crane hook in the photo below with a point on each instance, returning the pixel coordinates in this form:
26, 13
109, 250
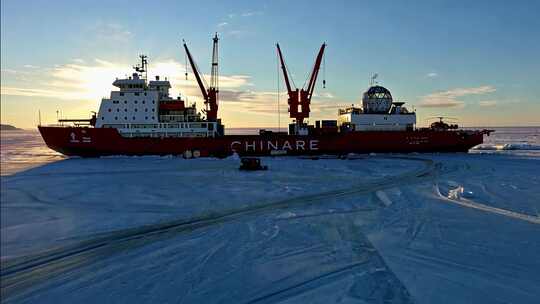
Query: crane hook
186, 73
324, 73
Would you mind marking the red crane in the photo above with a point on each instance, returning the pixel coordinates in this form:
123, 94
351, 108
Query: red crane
210, 95
299, 100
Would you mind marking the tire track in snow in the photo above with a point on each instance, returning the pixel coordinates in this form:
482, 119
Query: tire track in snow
31, 174
365, 267
293, 290
512, 214
464, 202
21, 273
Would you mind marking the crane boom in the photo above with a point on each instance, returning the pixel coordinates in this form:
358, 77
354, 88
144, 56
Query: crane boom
210, 95
299, 100
196, 72
212, 105
214, 78
315, 71
284, 68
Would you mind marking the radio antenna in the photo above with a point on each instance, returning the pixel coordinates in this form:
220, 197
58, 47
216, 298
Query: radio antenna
372, 80
143, 67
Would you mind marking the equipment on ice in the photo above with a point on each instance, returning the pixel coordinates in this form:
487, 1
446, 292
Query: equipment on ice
251, 164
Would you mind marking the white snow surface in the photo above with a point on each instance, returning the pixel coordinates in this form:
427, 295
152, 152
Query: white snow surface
508, 147
438, 228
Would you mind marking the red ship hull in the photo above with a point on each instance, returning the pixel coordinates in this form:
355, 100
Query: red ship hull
95, 142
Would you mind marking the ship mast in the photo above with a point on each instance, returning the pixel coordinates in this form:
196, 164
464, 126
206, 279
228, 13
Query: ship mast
143, 67
210, 95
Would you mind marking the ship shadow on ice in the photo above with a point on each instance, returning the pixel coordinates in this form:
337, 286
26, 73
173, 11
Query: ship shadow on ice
112, 165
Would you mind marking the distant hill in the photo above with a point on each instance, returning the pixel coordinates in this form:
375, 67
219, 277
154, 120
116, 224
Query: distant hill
8, 128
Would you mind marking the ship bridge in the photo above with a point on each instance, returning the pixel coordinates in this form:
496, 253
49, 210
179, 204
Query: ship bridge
134, 82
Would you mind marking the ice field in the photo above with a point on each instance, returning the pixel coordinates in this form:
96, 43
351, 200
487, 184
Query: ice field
434, 228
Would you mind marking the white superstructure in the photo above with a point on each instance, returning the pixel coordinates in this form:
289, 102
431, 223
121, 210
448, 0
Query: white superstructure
145, 109
134, 103
379, 113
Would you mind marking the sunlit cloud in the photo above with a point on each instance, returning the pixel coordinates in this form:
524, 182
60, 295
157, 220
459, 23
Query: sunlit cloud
7, 90
236, 33
324, 95
260, 102
9, 71
266, 102
487, 103
449, 99
245, 14
89, 81
92, 81
432, 75
112, 32
251, 13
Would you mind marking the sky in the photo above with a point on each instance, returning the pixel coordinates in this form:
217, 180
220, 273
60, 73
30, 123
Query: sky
477, 61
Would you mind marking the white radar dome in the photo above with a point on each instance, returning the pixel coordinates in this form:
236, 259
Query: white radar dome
377, 99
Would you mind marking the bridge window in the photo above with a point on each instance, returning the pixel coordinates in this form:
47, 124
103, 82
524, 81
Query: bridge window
109, 110
125, 117
117, 110
135, 101
116, 118
121, 93
136, 94
133, 117
125, 101
136, 110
